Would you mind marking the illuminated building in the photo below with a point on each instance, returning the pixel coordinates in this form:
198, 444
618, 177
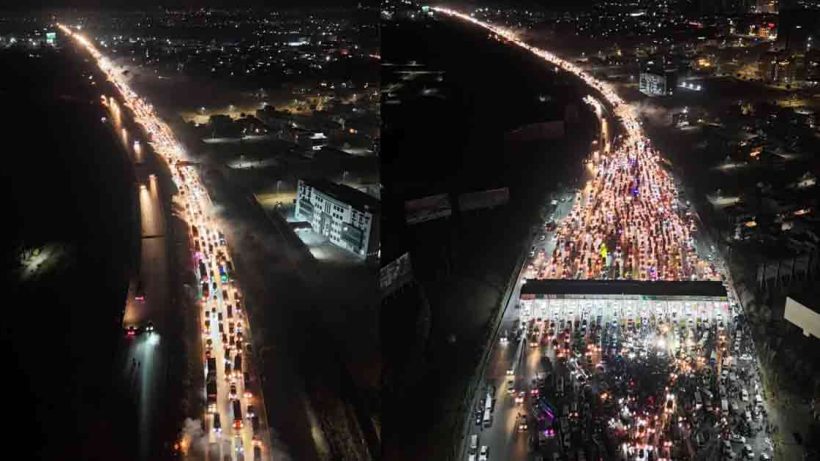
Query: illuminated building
653, 83
347, 217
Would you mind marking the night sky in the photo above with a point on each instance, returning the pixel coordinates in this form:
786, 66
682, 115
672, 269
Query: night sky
144, 4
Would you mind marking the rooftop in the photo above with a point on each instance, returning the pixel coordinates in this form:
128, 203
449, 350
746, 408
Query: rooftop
623, 287
355, 198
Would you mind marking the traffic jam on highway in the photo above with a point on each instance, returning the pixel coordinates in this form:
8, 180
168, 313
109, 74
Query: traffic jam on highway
233, 401
643, 389
626, 222
634, 388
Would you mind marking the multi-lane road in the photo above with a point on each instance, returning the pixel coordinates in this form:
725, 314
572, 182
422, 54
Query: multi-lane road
512, 358
235, 421
626, 223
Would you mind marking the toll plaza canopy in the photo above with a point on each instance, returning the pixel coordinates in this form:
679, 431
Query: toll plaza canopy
603, 300
539, 288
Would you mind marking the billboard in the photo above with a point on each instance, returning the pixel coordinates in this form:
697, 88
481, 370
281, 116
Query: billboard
484, 199
427, 208
804, 318
395, 274
537, 131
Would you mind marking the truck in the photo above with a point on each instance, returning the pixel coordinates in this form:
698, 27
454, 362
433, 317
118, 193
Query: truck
237, 363
217, 423
237, 414
210, 390
206, 290
136, 313
223, 273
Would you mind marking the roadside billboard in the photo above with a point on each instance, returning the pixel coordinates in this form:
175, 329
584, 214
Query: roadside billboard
427, 208
395, 274
537, 131
484, 199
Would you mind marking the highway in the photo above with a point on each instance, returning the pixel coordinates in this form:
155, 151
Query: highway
146, 357
231, 431
630, 214
626, 223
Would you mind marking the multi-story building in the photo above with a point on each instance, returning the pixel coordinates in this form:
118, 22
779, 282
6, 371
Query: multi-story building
780, 66
653, 83
347, 217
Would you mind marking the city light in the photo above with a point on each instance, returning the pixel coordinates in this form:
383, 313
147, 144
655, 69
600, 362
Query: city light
630, 205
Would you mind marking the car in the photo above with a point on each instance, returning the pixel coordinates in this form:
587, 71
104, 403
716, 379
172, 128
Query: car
250, 412
737, 438
478, 419
233, 391
484, 453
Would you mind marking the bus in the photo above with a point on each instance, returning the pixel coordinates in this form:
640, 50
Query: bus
488, 418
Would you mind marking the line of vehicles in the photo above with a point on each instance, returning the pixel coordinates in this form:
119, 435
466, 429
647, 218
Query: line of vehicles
223, 333
222, 313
